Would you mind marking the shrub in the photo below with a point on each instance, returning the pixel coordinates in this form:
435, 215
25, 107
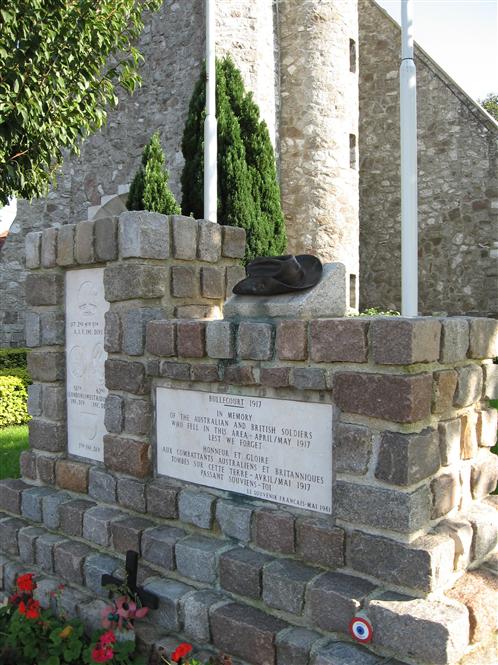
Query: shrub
248, 191
13, 358
20, 372
149, 189
13, 401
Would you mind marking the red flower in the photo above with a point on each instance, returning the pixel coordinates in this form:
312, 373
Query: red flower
181, 650
102, 653
25, 583
31, 609
107, 638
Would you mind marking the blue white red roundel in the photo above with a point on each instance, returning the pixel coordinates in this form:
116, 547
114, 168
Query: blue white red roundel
361, 629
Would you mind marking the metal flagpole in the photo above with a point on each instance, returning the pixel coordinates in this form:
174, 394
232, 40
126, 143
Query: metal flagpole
210, 124
408, 126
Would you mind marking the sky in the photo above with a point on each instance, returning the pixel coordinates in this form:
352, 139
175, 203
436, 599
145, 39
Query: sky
461, 36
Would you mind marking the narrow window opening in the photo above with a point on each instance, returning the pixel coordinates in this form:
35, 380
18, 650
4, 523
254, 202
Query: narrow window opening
352, 151
352, 55
352, 291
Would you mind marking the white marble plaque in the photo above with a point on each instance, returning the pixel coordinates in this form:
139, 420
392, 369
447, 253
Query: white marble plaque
85, 358
279, 450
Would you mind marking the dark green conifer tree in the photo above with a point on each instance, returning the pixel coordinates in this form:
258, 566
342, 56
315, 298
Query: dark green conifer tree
149, 189
248, 191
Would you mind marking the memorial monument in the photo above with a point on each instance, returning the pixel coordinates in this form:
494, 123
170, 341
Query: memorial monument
296, 481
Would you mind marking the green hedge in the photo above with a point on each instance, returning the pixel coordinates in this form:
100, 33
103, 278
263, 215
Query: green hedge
13, 401
20, 372
10, 358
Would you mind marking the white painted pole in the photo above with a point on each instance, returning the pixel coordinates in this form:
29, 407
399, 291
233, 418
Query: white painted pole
210, 124
408, 123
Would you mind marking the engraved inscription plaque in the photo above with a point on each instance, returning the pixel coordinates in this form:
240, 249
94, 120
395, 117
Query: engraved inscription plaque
279, 450
85, 358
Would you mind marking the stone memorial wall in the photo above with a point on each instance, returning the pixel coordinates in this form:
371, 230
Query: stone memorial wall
277, 475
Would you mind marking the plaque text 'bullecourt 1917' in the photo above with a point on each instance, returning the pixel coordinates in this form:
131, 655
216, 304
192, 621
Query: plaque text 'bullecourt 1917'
279, 450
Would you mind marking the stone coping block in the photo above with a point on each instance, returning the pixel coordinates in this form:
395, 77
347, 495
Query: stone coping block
328, 298
398, 341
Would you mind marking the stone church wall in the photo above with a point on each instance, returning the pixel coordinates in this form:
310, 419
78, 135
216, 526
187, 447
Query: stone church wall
457, 179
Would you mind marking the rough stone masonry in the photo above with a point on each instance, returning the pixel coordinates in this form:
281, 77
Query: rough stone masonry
412, 540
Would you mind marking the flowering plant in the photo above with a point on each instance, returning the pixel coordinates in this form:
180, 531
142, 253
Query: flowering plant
181, 656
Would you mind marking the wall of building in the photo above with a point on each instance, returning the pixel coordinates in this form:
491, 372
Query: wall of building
458, 185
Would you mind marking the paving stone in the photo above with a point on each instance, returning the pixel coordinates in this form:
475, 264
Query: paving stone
113, 332
454, 339
425, 630
26, 541
162, 499
144, 234
482, 518
134, 322
158, 545
255, 341
94, 567
274, 530
123, 455
90, 615
127, 533
71, 516
402, 399
131, 494
469, 387
49, 247
32, 498
285, 583
478, 591
213, 282
445, 490
383, 508
487, 427
97, 524
405, 459
114, 414
84, 245
179, 371
65, 245
450, 434
339, 340
11, 494
51, 509
196, 508
294, 646
161, 338
46, 366
127, 282
239, 375
197, 557
234, 242
352, 448
191, 339
308, 378
196, 608
210, 239
460, 531
341, 653
292, 340
184, 237
44, 550
47, 435
245, 632
445, 383
333, 599
234, 274
220, 339
205, 373
32, 329
127, 376
320, 542
44, 289
54, 402
46, 469
52, 328
170, 594
33, 249
483, 338
71, 600
35, 399
468, 436
234, 519
275, 377
241, 571
398, 341
102, 485
69, 558
426, 564
106, 239
196, 311
27, 464
490, 380
484, 474
44, 593
72, 476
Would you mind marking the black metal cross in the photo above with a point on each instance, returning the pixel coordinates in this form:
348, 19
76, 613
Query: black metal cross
147, 598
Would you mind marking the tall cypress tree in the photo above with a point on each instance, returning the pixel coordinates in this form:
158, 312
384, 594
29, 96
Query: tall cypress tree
248, 191
149, 189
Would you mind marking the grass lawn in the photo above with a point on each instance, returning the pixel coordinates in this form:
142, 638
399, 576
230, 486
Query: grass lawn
13, 440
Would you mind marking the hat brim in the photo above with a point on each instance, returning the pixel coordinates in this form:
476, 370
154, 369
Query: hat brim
269, 286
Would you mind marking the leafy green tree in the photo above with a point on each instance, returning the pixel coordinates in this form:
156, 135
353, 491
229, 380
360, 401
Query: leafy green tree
248, 191
490, 103
149, 189
60, 65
